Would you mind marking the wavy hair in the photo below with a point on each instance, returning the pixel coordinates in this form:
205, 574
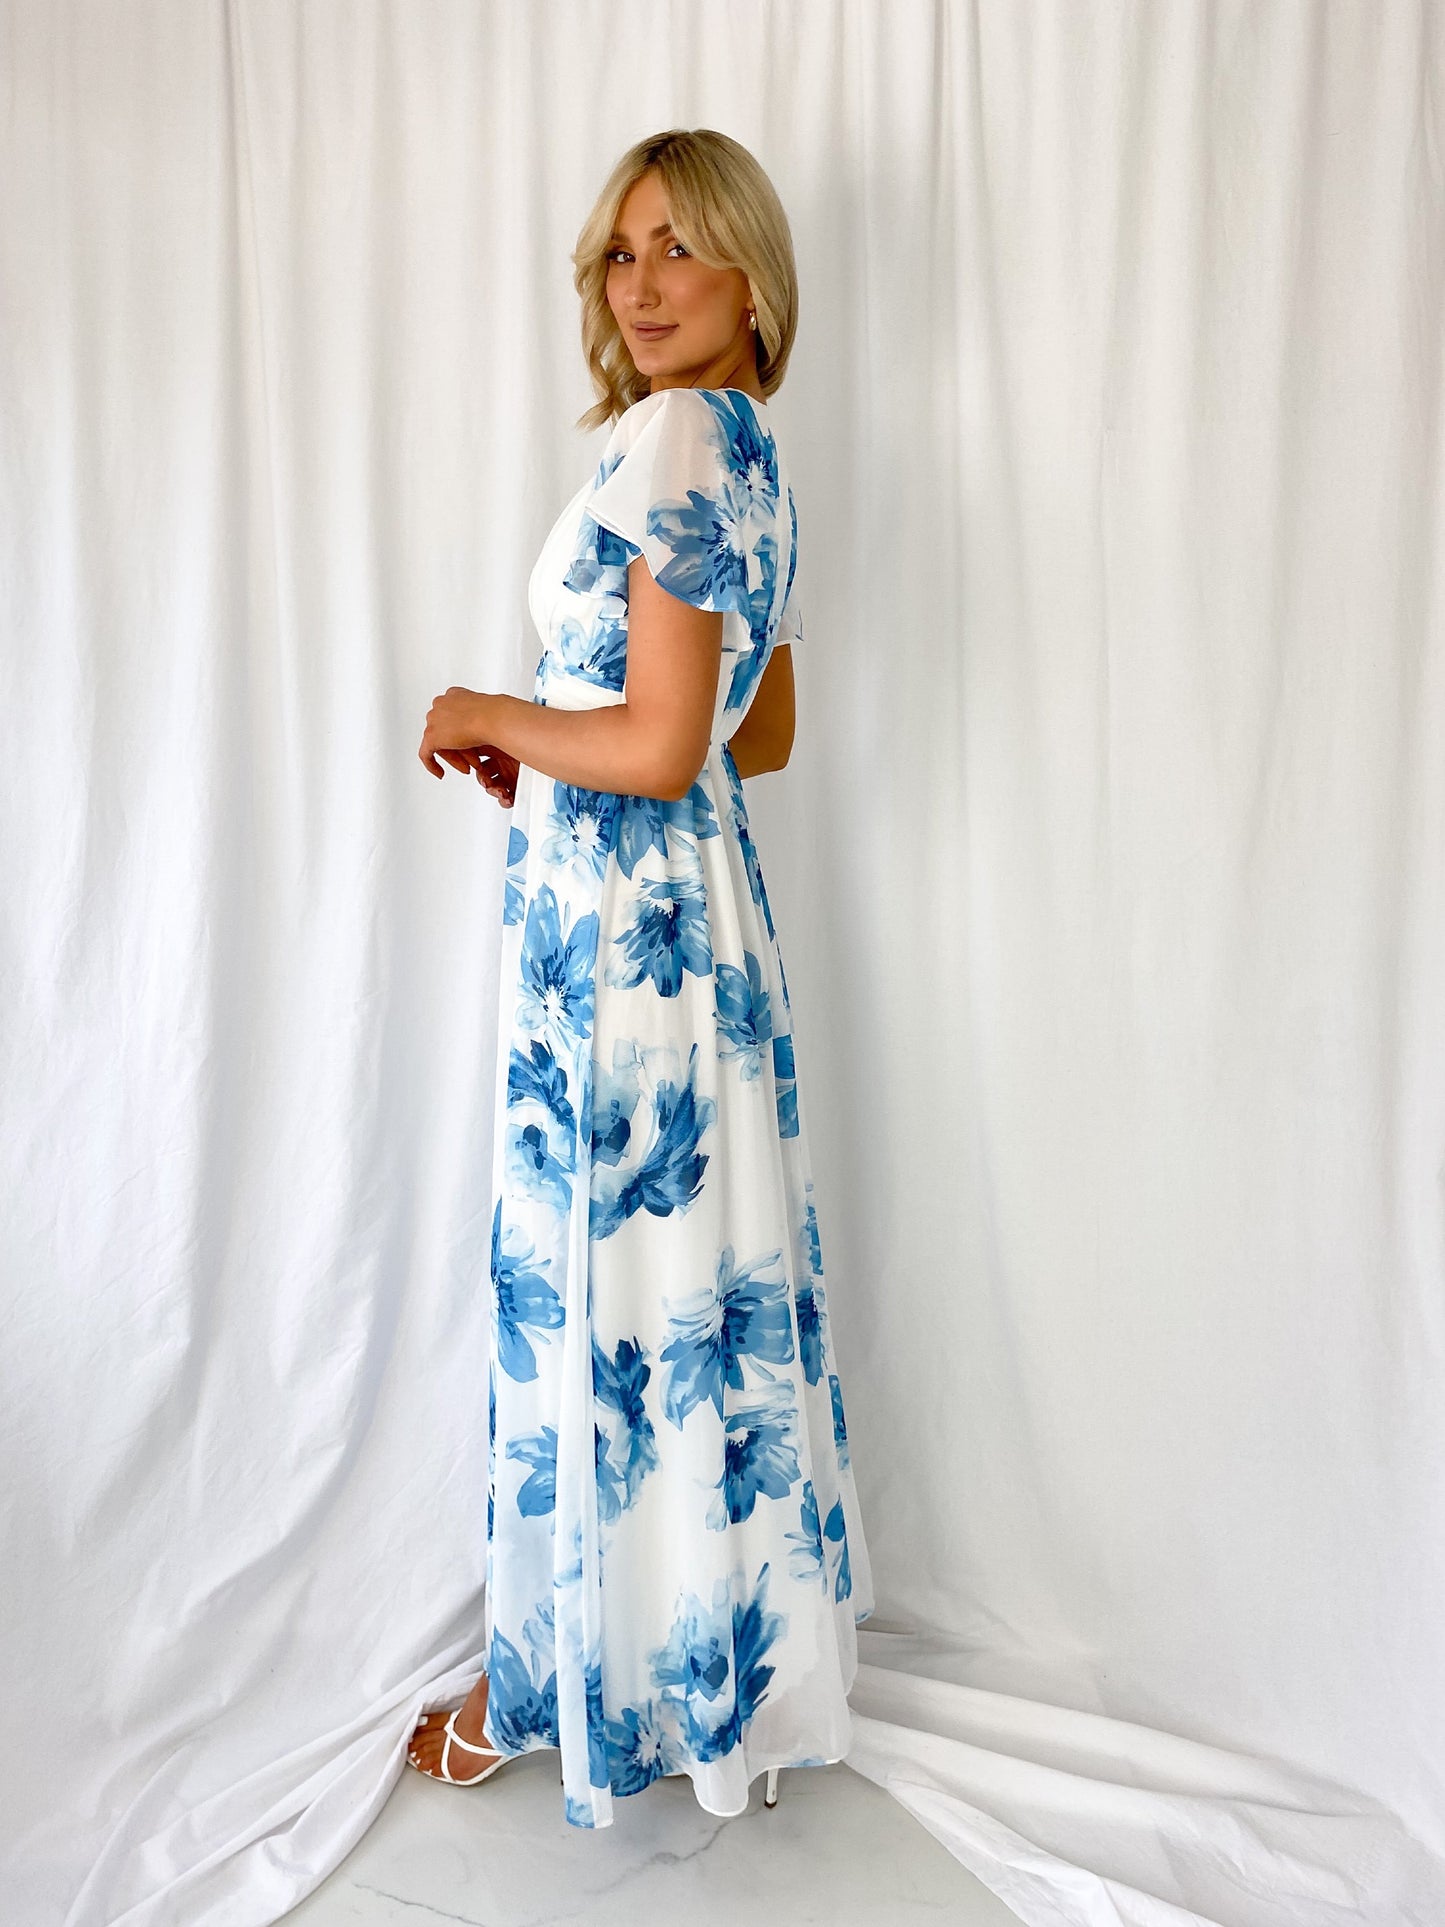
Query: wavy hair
727, 213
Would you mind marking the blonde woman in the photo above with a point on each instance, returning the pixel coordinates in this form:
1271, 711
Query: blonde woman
676, 1563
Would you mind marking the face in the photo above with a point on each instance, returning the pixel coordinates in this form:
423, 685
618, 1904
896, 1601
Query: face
684, 323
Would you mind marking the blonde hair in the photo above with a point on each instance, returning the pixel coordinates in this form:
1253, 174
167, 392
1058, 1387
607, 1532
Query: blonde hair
726, 211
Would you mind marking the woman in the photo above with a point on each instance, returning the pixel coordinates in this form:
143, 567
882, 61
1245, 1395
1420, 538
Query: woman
675, 1562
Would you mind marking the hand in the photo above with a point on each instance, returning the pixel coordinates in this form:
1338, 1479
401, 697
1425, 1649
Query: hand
455, 721
497, 772
494, 769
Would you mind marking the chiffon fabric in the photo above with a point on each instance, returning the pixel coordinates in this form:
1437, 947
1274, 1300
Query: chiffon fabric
676, 1563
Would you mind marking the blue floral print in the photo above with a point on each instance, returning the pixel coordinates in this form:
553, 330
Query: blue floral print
746, 1314
676, 1563
744, 1014
580, 829
556, 988
666, 935
523, 1297
666, 1171
628, 1452
538, 1491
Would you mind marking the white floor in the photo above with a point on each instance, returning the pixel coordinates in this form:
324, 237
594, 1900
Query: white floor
835, 1850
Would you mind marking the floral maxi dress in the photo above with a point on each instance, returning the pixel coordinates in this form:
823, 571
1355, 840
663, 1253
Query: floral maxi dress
675, 1562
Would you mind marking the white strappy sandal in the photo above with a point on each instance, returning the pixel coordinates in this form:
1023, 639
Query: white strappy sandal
453, 1738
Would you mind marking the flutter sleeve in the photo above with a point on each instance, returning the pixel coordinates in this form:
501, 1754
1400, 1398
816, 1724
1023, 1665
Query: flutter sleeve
669, 495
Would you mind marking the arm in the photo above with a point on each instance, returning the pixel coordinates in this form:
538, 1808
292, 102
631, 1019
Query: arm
652, 743
763, 740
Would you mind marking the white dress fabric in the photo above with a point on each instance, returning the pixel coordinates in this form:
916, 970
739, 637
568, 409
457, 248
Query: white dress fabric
675, 1562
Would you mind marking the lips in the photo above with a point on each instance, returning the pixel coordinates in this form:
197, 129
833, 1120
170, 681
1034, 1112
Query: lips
652, 333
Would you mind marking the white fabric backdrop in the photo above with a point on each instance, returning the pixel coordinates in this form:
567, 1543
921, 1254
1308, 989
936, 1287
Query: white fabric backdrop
1108, 871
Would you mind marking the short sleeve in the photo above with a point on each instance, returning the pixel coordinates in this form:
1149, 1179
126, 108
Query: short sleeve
666, 492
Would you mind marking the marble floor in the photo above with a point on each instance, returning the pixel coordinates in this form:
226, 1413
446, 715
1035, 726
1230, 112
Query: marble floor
835, 1850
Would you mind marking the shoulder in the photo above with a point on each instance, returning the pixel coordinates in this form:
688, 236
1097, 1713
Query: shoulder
726, 418
676, 409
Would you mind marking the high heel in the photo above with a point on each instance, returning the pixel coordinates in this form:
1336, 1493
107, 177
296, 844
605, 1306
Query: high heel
770, 1797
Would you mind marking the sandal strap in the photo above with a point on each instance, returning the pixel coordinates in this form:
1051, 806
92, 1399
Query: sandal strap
457, 1739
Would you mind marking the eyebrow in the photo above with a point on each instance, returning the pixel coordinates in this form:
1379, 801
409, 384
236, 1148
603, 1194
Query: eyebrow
665, 228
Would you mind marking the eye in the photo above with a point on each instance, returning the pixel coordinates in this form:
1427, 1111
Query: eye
614, 254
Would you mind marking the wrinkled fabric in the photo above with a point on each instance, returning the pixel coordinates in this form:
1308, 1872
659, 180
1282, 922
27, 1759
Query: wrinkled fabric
1107, 864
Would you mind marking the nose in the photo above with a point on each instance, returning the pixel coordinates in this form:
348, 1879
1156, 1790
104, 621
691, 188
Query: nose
641, 288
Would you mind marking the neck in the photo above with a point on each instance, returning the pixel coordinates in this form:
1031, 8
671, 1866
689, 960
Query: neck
735, 367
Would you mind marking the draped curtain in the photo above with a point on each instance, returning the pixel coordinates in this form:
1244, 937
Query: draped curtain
1107, 869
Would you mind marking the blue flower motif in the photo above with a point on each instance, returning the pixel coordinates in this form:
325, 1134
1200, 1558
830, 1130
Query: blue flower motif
760, 1459
541, 1154
670, 1175
618, 1382
808, 1300
616, 1093
837, 1531
640, 1748
593, 651
697, 1657
744, 1014
668, 935
707, 560
755, 1632
513, 897
644, 821
744, 1314
784, 1084
537, 1494
753, 456
534, 1167
538, 1078
840, 1430
521, 1709
600, 558
692, 817
583, 826
611, 1487
522, 1296
693, 1671
555, 992
806, 1559
711, 1677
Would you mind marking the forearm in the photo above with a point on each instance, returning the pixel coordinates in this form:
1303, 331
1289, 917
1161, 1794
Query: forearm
597, 749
